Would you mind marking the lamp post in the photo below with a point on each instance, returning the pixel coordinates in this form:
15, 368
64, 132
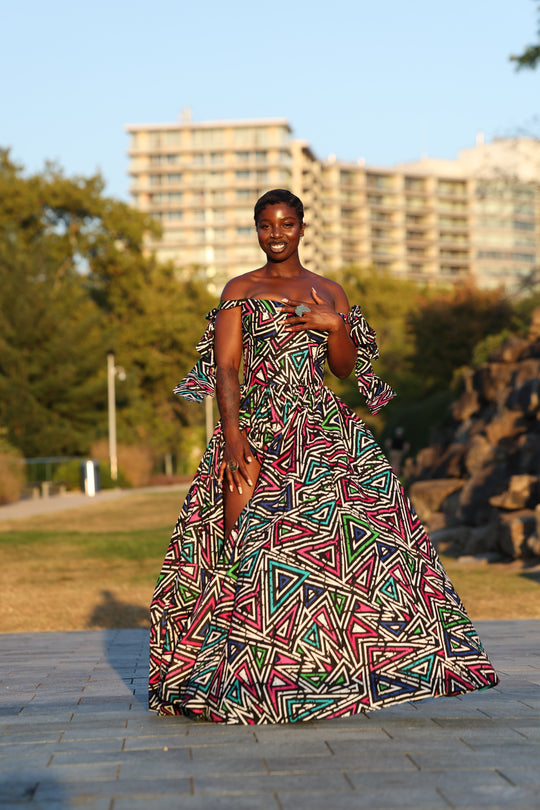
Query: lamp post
112, 371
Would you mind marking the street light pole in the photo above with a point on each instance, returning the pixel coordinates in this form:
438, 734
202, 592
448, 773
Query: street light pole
111, 399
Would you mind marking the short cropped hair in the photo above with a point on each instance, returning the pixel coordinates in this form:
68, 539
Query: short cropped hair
276, 196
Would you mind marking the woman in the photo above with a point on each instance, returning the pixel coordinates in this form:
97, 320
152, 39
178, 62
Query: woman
299, 583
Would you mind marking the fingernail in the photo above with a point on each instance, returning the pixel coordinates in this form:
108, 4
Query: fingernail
250, 482
240, 490
285, 300
231, 489
249, 459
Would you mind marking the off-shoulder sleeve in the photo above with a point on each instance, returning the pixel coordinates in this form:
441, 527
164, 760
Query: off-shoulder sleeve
375, 391
200, 382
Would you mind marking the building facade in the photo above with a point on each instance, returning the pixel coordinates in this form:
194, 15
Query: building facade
432, 221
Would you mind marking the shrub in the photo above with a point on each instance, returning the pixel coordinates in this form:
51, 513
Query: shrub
69, 473
135, 462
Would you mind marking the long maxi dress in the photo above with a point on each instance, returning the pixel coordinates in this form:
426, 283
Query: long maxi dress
327, 598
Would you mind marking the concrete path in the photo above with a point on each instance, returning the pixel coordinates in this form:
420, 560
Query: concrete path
75, 733
28, 507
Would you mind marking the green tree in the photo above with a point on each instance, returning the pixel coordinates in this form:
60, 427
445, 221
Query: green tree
530, 57
75, 281
447, 327
386, 303
51, 337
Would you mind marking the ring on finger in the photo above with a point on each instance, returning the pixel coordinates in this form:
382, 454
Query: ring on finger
232, 465
300, 309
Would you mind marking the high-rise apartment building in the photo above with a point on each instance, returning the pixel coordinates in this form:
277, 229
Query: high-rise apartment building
432, 220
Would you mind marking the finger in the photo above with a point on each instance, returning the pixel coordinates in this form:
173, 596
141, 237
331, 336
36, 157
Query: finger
235, 482
244, 472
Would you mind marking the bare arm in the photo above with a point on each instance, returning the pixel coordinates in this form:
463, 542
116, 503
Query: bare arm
228, 354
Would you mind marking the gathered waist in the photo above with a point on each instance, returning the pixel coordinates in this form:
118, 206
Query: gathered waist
281, 390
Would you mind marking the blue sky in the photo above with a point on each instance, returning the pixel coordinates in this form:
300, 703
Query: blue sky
386, 81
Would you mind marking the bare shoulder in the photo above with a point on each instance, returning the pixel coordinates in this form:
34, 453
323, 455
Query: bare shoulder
335, 291
239, 287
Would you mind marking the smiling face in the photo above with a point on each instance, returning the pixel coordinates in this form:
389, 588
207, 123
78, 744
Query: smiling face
279, 231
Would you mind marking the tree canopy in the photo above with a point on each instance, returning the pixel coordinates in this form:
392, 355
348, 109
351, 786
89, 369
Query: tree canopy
75, 281
530, 57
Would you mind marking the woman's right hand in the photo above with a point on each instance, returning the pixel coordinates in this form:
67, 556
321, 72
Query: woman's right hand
234, 468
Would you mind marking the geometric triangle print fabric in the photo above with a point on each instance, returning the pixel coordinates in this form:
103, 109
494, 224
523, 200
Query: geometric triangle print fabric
327, 599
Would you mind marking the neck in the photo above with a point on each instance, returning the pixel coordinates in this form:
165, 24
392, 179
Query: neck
290, 267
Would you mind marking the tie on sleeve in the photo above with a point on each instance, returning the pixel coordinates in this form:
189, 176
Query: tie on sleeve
375, 391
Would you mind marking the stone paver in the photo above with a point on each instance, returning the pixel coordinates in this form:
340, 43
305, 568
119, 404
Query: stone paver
75, 732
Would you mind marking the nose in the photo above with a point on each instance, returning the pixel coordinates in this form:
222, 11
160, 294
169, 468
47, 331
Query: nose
276, 229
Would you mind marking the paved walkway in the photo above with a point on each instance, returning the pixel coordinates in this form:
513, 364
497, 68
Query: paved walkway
28, 507
75, 733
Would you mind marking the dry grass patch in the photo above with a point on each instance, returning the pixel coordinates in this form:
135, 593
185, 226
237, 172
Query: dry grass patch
95, 567
130, 512
498, 590
77, 581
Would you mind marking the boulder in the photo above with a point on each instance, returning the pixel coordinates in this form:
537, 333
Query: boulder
510, 351
451, 463
515, 529
525, 397
464, 407
483, 539
436, 522
507, 424
474, 506
534, 331
532, 544
522, 492
492, 381
428, 496
452, 540
476, 485
479, 452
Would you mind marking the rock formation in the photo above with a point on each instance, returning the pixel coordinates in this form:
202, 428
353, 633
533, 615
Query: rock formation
478, 491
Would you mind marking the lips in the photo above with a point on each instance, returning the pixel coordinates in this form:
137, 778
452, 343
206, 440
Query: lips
277, 247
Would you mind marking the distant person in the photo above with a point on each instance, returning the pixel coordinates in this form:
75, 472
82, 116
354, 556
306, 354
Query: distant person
397, 447
299, 583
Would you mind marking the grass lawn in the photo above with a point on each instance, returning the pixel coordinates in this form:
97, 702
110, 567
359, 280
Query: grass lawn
95, 567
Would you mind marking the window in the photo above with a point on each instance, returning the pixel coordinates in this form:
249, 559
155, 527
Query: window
207, 137
172, 138
242, 174
451, 187
382, 181
174, 178
415, 184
